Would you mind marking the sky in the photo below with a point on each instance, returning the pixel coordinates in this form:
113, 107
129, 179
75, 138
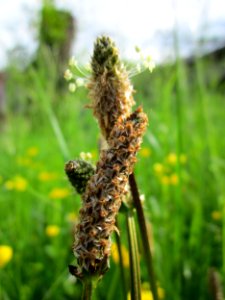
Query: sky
146, 23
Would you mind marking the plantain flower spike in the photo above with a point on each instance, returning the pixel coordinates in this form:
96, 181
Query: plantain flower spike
102, 197
112, 100
109, 86
79, 172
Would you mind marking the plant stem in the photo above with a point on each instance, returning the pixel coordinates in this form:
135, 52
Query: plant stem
58, 133
144, 234
134, 257
124, 287
87, 289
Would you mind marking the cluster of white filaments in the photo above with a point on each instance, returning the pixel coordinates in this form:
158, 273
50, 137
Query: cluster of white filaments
146, 62
78, 76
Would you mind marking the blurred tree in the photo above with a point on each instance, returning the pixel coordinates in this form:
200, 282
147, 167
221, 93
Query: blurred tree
56, 34
56, 30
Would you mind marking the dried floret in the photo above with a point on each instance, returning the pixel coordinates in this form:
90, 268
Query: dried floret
102, 197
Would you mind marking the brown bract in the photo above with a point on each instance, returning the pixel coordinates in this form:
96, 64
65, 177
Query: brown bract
109, 88
102, 198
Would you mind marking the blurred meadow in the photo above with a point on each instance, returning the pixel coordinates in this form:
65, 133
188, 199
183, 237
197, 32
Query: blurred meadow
180, 173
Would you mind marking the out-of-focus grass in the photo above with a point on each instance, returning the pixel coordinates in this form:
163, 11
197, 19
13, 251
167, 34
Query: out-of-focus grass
180, 171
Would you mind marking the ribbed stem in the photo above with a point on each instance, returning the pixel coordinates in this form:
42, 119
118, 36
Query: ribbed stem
144, 234
87, 289
134, 257
124, 286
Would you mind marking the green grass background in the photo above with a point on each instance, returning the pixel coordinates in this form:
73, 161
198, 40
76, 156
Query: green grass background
186, 111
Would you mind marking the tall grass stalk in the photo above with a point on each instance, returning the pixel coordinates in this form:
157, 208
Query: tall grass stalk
40, 87
134, 257
87, 289
122, 269
144, 234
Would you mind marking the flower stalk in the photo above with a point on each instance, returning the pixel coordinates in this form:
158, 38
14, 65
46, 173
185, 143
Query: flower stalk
144, 234
103, 188
87, 289
134, 257
122, 273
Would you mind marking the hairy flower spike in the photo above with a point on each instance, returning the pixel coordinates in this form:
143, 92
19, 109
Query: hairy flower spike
102, 197
79, 172
109, 86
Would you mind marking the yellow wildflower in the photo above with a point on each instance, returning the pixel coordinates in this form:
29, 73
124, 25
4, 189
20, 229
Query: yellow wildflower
172, 158
6, 254
18, 183
174, 179
145, 152
183, 158
115, 255
71, 217
165, 180
158, 168
32, 151
47, 176
146, 293
216, 215
58, 193
52, 230
161, 292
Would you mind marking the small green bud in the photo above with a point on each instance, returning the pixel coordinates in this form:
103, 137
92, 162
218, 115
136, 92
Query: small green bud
72, 87
106, 55
68, 75
79, 172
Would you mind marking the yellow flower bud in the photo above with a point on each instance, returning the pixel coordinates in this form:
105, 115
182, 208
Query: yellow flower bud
145, 152
59, 193
216, 215
52, 230
158, 168
172, 158
6, 254
125, 255
174, 179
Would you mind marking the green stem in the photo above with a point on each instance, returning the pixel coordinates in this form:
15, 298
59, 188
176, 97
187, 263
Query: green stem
144, 234
87, 289
124, 287
47, 108
134, 257
113, 287
58, 133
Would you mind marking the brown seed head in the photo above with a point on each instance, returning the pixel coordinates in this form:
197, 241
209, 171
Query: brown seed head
110, 88
102, 197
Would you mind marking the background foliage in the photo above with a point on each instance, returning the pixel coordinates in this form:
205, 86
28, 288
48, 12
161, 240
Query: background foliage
180, 170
